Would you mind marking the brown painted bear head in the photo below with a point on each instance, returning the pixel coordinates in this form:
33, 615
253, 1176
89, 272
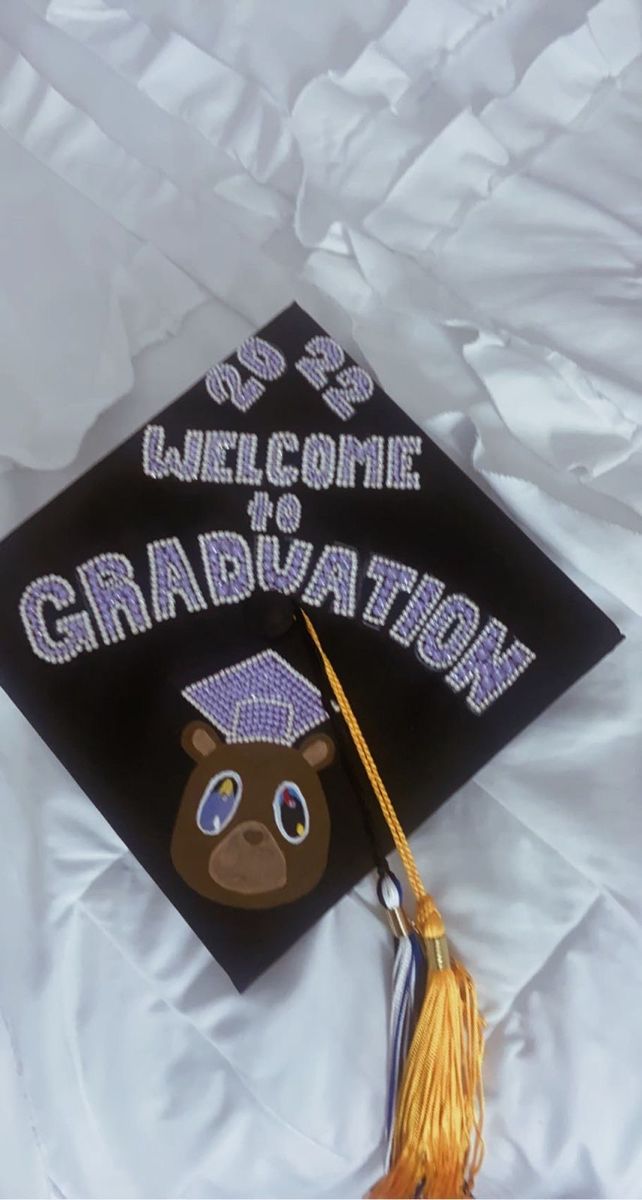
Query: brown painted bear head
253, 827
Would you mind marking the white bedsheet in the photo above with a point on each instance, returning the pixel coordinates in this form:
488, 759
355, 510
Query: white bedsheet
453, 189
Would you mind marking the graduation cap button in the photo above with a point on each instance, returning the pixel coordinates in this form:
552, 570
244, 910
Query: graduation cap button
271, 615
278, 616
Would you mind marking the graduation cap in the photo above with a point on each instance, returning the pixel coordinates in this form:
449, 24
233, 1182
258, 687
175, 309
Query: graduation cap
285, 757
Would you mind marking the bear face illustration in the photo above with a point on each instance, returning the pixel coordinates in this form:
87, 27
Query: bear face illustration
253, 827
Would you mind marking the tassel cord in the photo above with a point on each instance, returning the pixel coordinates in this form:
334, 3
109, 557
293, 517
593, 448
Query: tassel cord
370, 767
347, 744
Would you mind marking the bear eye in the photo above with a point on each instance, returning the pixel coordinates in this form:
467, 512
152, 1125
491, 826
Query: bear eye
219, 802
291, 812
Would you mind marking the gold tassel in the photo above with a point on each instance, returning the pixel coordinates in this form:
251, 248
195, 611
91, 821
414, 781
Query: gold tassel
437, 1137
438, 1146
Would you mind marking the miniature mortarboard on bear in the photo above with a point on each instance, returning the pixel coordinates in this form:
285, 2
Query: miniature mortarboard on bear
246, 770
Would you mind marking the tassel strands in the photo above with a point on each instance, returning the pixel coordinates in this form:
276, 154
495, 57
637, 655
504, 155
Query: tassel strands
437, 1144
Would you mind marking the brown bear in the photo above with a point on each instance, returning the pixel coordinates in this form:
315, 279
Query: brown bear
253, 827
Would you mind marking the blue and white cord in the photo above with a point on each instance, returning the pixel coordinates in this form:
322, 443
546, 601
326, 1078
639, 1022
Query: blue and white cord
408, 966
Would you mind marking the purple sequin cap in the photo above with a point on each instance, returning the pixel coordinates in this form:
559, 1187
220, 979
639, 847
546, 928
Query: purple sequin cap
262, 699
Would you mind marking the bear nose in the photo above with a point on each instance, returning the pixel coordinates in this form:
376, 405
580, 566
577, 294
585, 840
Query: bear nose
254, 835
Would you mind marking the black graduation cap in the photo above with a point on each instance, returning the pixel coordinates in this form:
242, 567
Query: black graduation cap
141, 597
137, 634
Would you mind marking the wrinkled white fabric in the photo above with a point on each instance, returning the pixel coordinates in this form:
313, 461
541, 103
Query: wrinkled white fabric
452, 190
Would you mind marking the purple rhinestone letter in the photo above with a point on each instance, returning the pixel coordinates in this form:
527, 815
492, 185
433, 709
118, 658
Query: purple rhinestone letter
108, 580
368, 453
448, 632
171, 575
335, 573
217, 444
317, 461
228, 566
400, 474
488, 671
285, 577
415, 614
390, 578
73, 634
159, 463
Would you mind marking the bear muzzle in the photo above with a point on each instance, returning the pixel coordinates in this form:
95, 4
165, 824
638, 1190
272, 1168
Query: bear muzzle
248, 861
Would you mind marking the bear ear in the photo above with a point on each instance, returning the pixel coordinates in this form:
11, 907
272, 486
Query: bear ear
318, 750
199, 740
